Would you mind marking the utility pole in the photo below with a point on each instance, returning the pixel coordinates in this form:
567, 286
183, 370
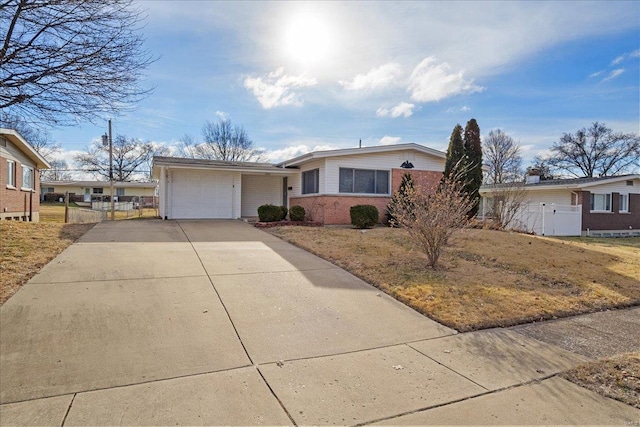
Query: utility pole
107, 139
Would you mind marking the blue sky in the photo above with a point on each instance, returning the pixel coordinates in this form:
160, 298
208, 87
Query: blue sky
301, 76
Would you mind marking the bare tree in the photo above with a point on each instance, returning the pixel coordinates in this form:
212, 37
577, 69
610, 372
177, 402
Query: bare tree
432, 216
187, 147
59, 171
129, 155
65, 60
223, 141
39, 138
506, 201
595, 151
502, 156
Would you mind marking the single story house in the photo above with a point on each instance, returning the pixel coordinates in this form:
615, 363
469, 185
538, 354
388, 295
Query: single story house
20, 166
599, 206
325, 183
86, 191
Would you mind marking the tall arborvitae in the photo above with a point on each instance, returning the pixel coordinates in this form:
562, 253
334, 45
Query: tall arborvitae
473, 172
398, 197
455, 152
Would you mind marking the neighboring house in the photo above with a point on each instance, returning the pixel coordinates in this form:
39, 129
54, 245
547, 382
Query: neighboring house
20, 164
325, 183
86, 191
574, 207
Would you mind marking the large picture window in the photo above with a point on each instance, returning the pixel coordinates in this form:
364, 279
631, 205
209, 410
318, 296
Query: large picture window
364, 181
27, 177
311, 181
601, 202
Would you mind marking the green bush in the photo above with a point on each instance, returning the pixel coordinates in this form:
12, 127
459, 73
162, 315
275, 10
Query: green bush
271, 213
297, 213
363, 216
283, 213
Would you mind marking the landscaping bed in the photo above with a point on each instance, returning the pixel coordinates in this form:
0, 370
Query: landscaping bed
486, 278
272, 224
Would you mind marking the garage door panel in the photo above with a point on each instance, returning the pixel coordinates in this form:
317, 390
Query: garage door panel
201, 194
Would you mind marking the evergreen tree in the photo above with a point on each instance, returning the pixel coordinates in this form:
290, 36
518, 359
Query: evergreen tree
473, 157
398, 197
455, 152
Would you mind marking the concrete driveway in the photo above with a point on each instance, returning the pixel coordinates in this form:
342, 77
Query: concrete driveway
216, 322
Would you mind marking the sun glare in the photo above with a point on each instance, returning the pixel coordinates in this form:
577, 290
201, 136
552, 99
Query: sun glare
308, 40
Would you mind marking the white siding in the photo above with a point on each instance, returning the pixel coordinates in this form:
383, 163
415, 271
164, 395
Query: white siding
14, 153
259, 190
616, 187
559, 197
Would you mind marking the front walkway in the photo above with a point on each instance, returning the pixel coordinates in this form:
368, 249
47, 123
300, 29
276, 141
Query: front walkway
215, 322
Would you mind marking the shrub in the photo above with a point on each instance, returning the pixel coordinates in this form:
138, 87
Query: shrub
283, 213
297, 213
364, 216
269, 213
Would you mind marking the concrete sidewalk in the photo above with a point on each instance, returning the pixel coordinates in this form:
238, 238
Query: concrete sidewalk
218, 323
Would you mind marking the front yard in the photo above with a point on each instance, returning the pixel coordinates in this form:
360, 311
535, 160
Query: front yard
487, 278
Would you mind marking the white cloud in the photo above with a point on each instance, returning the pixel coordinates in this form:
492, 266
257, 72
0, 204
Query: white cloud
625, 56
596, 74
613, 74
465, 108
617, 60
280, 155
222, 115
403, 109
389, 140
275, 89
376, 78
433, 81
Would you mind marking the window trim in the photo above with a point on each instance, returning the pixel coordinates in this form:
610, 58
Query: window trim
31, 171
11, 174
316, 184
118, 191
375, 181
93, 190
625, 196
592, 203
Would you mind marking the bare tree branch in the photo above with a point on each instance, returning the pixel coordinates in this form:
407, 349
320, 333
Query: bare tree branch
222, 141
62, 61
502, 156
129, 154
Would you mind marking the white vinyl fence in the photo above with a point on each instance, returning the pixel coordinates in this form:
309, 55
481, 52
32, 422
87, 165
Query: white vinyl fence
549, 219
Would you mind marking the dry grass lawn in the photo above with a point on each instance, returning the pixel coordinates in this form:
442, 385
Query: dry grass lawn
617, 377
54, 212
26, 247
487, 278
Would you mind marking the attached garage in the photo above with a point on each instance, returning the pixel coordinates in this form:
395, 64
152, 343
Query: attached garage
210, 189
199, 194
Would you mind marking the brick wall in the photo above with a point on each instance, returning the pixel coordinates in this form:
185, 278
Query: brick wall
14, 202
334, 209
613, 220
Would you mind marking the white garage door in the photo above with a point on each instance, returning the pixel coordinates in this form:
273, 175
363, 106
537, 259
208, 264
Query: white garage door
201, 194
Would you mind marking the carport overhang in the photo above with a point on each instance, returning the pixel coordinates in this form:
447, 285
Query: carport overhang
166, 167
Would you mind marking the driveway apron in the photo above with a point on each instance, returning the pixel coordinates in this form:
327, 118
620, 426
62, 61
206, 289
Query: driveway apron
216, 322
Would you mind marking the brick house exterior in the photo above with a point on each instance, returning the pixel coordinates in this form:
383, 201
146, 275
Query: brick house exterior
589, 206
20, 165
326, 183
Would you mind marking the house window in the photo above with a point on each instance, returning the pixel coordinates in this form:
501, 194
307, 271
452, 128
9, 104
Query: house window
624, 203
119, 191
311, 181
11, 173
27, 177
49, 190
98, 190
601, 202
365, 181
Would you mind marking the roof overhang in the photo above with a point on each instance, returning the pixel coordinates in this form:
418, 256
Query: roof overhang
216, 165
17, 139
118, 184
568, 185
296, 161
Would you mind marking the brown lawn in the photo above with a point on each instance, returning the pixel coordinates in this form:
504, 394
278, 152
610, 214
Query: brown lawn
617, 377
26, 247
487, 278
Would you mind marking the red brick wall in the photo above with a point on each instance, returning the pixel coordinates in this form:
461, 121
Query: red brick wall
14, 202
424, 179
334, 209
610, 220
